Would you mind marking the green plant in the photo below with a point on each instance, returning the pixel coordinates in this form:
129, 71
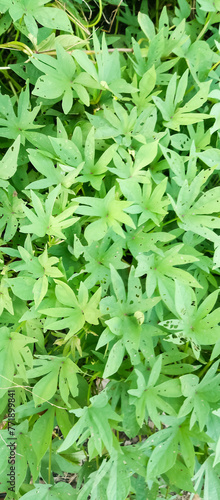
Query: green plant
109, 250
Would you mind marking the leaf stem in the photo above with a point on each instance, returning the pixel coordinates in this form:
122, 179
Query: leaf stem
186, 347
15, 45
202, 32
157, 13
98, 17
72, 17
205, 368
90, 386
90, 52
49, 464
169, 221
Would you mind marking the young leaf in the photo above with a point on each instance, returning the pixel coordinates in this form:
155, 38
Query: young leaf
44, 222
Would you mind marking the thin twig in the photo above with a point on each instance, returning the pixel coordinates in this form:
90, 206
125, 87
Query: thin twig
73, 18
114, 16
25, 387
120, 49
53, 52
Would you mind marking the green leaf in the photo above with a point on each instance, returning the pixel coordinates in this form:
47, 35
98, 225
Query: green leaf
59, 80
8, 164
119, 482
40, 290
162, 458
208, 5
5, 299
15, 356
78, 311
44, 222
108, 210
13, 126
115, 359
46, 387
48, 492
180, 477
96, 420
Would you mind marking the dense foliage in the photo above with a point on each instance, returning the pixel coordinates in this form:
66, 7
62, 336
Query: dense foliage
110, 248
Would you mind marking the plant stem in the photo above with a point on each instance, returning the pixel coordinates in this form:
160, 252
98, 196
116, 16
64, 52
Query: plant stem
169, 221
90, 386
49, 464
98, 17
157, 13
205, 368
186, 347
205, 27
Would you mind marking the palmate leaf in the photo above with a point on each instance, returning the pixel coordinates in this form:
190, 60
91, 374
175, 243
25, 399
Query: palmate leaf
110, 481
126, 313
15, 357
146, 86
125, 304
61, 174
40, 268
161, 44
166, 449
99, 257
14, 125
114, 123
59, 76
108, 64
47, 16
140, 241
76, 312
151, 203
62, 151
44, 222
95, 419
93, 171
11, 211
108, 72
49, 368
193, 214
200, 136
198, 325
125, 168
122, 126
207, 478
26, 453
147, 397
108, 212
175, 116
60, 80
199, 395
164, 264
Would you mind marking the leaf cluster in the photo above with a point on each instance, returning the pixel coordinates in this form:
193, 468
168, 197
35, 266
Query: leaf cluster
110, 249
